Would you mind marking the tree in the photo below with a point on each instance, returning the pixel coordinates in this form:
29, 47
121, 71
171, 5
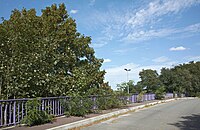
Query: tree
167, 79
149, 79
194, 69
139, 88
123, 87
160, 92
45, 55
183, 78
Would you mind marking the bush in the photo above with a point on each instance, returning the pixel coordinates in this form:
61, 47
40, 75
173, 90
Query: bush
77, 106
34, 115
110, 102
198, 94
80, 106
140, 96
102, 103
160, 93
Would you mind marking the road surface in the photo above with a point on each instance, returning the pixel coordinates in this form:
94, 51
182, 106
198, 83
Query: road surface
177, 115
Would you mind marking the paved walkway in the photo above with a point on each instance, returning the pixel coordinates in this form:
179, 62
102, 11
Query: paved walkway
66, 120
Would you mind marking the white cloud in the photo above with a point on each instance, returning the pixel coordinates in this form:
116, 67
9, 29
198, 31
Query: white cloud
193, 58
107, 60
100, 42
92, 2
124, 51
161, 59
146, 35
193, 28
158, 8
166, 32
117, 75
99, 45
130, 26
121, 51
73, 11
180, 48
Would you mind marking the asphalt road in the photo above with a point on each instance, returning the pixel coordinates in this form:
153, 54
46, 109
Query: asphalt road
177, 115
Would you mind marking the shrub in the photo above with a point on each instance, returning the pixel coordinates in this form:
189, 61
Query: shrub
102, 103
77, 106
34, 115
80, 106
198, 94
140, 96
160, 93
109, 102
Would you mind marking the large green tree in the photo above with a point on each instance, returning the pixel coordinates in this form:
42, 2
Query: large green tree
45, 55
183, 78
167, 78
149, 80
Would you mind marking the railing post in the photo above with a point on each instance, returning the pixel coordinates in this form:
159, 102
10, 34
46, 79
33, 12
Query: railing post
53, 107
42, 104
60, 108
18, 113
1, 115
10, 112
22, 116
5, 114
56, 110
135, 97
48, 106
14, 113
94, 102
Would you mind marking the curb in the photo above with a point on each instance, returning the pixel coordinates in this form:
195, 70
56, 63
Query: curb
108, 115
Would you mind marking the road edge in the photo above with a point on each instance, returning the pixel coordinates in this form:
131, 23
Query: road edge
89, 121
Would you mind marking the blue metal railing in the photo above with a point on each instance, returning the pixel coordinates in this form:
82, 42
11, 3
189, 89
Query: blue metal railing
12, 111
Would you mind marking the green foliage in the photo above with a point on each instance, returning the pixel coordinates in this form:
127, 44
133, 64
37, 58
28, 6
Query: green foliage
81, 106
167, 79
45, 56
77, 106
150, 80
160, 93
110, 102
104, 103
123, 87
105, 89
198, 94
140, 96
182, 79
34, 115
139, 87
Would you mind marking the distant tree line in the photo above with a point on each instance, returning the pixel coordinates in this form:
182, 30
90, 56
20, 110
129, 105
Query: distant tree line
181, 79
44, 56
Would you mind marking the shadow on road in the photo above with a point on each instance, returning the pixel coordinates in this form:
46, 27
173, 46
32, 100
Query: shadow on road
189, 123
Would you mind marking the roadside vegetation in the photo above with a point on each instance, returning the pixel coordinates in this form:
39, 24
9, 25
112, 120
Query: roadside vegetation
181, 79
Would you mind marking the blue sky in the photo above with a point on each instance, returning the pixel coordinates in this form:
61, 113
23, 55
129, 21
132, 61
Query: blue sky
142, 34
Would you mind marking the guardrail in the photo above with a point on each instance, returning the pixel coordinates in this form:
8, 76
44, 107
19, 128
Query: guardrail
146, 97
12, 111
